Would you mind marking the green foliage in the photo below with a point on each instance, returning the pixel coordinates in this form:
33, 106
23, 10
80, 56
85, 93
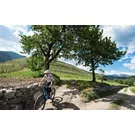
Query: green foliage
79, 84
102, 76
35, 63
132, 89
128, 82
47, 43
57, 80
89, 94
13, 65
61, 69
114, 107
92, 49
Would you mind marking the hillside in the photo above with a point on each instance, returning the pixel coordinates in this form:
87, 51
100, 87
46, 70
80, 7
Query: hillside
16, 72
9, 55
18, 68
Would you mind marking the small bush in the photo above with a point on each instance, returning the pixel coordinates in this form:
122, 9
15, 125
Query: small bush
89, 94
57, 80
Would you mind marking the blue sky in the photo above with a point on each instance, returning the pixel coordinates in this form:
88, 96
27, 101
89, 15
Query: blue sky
124, 35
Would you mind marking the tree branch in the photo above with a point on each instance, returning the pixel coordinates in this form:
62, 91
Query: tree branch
42, 50
56, 54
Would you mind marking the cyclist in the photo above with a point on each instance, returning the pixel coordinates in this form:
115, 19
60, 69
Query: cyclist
48, 82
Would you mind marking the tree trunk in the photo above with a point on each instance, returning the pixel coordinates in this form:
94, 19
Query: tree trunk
47, 65
93, 71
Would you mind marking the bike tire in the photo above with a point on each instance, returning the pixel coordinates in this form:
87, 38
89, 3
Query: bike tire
53, 91
40, 103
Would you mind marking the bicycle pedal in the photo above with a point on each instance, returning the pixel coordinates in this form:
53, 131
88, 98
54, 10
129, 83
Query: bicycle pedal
49, 101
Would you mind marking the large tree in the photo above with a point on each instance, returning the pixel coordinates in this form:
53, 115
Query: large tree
93, 49
46, 44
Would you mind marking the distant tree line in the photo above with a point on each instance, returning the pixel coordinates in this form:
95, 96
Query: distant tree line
129, 82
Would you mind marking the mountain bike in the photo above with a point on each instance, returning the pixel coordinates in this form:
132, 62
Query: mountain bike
40, 101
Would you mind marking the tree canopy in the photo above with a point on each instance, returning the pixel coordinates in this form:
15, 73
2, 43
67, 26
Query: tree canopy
93, 49
46, 44
84, 43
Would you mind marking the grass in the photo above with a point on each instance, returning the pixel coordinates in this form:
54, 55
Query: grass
18, 69
25, 73
116, 105
89, 93
114, 83
132, 88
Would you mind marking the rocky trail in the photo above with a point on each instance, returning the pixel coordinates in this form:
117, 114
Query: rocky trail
69, 99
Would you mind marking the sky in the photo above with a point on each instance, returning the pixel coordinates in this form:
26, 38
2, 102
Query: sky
123, 35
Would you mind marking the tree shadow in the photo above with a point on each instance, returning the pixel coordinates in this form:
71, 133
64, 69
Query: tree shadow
61, 106
111, 91
65, 105
128, 101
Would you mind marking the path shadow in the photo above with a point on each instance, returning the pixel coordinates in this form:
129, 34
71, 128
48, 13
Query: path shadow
128, 101
111, 91
65, 105
61, 106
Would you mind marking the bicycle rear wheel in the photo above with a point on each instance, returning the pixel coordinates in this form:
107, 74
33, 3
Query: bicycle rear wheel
40, 103
53, 91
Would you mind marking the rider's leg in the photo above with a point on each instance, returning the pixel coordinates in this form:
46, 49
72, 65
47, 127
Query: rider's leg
46, 92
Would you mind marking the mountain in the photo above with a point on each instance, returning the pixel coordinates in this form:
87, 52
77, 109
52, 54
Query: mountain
119, 76
9, 55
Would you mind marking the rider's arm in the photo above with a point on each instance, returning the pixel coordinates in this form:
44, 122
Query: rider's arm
52, 82
43, 79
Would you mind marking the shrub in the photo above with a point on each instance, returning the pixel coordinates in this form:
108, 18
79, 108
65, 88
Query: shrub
89, 94
57, 79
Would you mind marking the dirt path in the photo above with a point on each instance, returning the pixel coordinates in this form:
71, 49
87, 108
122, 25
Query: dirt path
70, 99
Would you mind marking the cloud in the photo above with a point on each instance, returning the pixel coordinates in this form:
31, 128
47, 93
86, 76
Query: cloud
122, 34
9, 37
114, 72
130, 65
9, 46
22, 28
7, 34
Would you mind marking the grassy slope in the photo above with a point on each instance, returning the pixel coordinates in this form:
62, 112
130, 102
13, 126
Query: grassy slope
132, 89
63, 70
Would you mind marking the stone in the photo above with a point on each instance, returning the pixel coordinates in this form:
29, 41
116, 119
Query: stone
1, 101
19, 94
32, 92
18, 89
1, 95
32, 86
15, 101
9, 94
2, 90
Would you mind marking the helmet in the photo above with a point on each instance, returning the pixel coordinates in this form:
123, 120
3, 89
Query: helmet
47, 71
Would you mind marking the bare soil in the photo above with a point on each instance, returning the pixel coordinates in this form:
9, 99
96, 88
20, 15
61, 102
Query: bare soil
16, 82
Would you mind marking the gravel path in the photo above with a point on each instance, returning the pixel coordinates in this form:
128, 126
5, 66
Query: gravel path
69, 99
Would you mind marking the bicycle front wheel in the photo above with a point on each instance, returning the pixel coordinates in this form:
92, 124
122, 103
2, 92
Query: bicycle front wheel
40, 103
